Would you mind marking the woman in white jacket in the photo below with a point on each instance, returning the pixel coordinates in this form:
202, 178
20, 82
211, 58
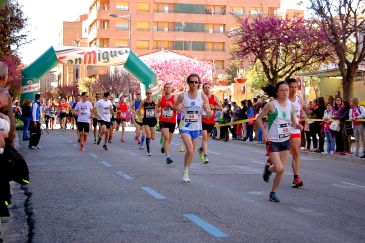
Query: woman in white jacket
358, 112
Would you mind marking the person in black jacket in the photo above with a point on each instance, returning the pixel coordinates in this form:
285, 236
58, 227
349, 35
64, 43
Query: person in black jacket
318, 114
26, 110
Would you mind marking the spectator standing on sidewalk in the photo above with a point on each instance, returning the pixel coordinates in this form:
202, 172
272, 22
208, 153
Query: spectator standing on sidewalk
250, 124
337, 111
26, 110
236, 117
346, 133
326, 129
358, 112
318, 113
35, 126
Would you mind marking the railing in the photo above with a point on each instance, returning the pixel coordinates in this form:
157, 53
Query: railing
207, 11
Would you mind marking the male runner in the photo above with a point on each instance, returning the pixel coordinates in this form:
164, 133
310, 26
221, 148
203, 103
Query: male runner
208, 122
191, 104
295, 134
83, 112
105, 109
167, 120
122, 109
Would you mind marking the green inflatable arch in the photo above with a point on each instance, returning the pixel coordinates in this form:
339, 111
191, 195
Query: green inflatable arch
84, 56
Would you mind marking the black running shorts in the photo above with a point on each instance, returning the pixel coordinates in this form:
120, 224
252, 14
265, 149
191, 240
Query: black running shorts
169, 125
83, 127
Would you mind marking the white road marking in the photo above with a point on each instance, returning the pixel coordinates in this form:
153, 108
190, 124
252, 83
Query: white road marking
347, 183
258, 162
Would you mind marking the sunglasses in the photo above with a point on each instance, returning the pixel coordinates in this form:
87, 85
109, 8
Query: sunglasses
138, 94
148, 93
194, 82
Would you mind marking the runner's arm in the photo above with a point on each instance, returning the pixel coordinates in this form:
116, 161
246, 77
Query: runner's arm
268, 108
206, 105
177, 106
295, 122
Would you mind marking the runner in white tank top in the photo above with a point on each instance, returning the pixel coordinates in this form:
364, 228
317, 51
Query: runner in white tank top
191, 104
295, 134
281, 116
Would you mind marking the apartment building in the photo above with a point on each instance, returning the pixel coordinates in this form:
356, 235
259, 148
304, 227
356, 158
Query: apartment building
193, 27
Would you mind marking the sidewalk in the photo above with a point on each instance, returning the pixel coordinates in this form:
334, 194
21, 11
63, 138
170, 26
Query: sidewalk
348, 158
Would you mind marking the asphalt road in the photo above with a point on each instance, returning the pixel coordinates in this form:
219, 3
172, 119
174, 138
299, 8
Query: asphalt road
124, 196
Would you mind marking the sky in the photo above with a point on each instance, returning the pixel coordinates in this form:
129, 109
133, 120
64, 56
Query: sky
46, 16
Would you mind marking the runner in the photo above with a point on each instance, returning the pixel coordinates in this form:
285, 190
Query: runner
105, 108
149, 120
138, 121
295, 134
83, 112
191, 104
74, 114
281, 115
122, 110
62, 108
208, 122
112, 120
52, 114
167, 120
95, 115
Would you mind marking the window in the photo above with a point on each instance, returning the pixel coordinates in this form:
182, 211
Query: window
238, 11
123, 6
219, 64
122, 24
121, 43
143, 26
218, 46
256, 12
162, 44
142, 44
143, 7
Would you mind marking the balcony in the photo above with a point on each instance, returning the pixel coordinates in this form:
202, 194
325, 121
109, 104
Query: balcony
98, 14
97, 34
182, 17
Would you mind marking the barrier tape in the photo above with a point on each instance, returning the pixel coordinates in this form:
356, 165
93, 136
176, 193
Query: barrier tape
254, 119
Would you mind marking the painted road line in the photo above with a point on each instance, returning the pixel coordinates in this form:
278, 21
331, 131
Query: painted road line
69, 141
65, 138
106, 164
347, 183
153, 193
75, 145
259, 162
206, 226
93, 155
125, 176
210, 152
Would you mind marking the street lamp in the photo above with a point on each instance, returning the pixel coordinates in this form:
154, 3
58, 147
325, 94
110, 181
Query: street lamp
129, 18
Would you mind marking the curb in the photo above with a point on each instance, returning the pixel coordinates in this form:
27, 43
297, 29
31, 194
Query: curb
343, 158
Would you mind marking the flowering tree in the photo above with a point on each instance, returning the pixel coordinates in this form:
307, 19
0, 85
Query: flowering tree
282, 46
68, 90
14, 72
343, 25
175, 71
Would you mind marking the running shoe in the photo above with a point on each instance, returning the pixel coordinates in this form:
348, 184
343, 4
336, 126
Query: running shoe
266, 175
274, 197
169, 160
206, 160
149, 154
110, 141
105, 147
81, 148
162, 150
32, 147
138, 141
186, 178
201, 154
38, 147
99, 140
95, 141
297, 183
141, 148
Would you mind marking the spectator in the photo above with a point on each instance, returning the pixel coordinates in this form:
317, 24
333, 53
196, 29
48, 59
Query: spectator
236, 115
35, 126
357, 112
26, 110
244, 117
250, 114
337, 111
346, 127
217, 130
227, 116
318, 114
326, 129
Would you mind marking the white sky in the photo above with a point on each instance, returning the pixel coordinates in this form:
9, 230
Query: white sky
46, 16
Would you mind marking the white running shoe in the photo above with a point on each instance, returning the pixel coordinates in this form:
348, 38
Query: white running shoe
38, 147
186, 178
149, 154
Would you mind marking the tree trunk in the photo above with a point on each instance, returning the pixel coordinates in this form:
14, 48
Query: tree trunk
348, 83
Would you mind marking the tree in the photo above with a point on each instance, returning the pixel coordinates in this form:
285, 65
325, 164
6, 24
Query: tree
175, 71
12, 23
342, 22
68, 90
14, 72
282, 46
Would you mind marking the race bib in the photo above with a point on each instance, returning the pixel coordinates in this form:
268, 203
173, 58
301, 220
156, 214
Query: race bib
63, 110
283, 130
106, 110
123, 115
167, 112
191, 116
83, 110
150, 113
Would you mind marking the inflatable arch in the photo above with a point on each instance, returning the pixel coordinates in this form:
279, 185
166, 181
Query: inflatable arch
84, 56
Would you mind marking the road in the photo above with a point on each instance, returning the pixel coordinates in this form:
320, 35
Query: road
124, 196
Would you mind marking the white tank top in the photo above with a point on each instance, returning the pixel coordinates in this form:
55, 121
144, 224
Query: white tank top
298, 108
191, 117
279, 123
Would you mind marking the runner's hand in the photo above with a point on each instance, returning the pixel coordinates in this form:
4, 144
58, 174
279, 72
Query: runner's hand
265, 137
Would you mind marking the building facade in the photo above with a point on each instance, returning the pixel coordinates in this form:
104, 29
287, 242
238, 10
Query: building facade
194, 27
